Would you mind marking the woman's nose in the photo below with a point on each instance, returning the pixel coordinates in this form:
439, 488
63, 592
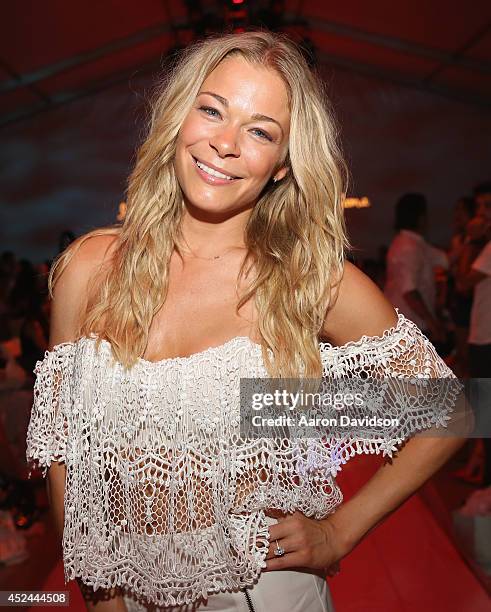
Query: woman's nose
225, 142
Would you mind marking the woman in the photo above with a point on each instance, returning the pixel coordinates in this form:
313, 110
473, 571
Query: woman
229, 258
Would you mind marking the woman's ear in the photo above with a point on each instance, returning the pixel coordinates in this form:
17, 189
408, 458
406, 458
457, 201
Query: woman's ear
281, 173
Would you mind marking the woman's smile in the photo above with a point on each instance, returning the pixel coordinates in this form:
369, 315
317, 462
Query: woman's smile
212, 175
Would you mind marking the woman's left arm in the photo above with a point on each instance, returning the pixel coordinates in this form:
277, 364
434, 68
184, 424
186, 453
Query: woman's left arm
361, 309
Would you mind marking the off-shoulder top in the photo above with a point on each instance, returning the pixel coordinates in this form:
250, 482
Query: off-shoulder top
162, 494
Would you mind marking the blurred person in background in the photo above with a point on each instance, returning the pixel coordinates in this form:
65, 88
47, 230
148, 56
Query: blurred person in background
475, 274
8, 272
12, 375
34, 332
411, 267
29, 310
460, 302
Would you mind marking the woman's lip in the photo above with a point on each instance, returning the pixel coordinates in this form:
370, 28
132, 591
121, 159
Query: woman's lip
212, 180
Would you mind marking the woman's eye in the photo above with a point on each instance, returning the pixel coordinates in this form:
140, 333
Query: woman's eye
262, 134
206, 109
212, 112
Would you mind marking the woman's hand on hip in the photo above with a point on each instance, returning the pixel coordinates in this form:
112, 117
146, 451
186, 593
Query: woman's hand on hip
308, 543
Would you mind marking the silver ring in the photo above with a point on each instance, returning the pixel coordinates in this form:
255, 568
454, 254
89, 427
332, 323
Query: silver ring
279, 552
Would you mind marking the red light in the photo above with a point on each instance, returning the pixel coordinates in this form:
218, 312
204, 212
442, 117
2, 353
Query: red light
237, 1
238, 30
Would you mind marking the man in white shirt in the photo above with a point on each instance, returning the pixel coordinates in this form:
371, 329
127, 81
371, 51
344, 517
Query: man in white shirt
411, 265
480, 328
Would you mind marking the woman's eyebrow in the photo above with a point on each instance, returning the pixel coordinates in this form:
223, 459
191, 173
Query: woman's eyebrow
255, 117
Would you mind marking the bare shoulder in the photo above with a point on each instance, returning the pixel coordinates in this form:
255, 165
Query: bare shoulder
85, 257
360, 308
96, 247
84, 260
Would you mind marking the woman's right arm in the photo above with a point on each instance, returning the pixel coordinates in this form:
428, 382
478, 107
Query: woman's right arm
65, 310
68, 304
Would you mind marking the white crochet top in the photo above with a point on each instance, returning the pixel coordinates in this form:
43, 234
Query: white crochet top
163, 497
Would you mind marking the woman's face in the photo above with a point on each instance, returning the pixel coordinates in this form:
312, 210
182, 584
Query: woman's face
238, 125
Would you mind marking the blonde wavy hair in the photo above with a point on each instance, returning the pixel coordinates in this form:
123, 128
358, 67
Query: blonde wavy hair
295, 234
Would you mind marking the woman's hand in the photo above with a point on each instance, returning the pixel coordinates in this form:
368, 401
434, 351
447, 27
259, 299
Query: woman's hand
308, 543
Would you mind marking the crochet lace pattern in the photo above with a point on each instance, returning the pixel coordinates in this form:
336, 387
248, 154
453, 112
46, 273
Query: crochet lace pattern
163, 497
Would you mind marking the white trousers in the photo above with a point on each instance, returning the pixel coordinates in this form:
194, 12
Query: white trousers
275, 591
278, 591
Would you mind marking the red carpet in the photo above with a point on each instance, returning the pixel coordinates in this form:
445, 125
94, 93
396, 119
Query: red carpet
408, 563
